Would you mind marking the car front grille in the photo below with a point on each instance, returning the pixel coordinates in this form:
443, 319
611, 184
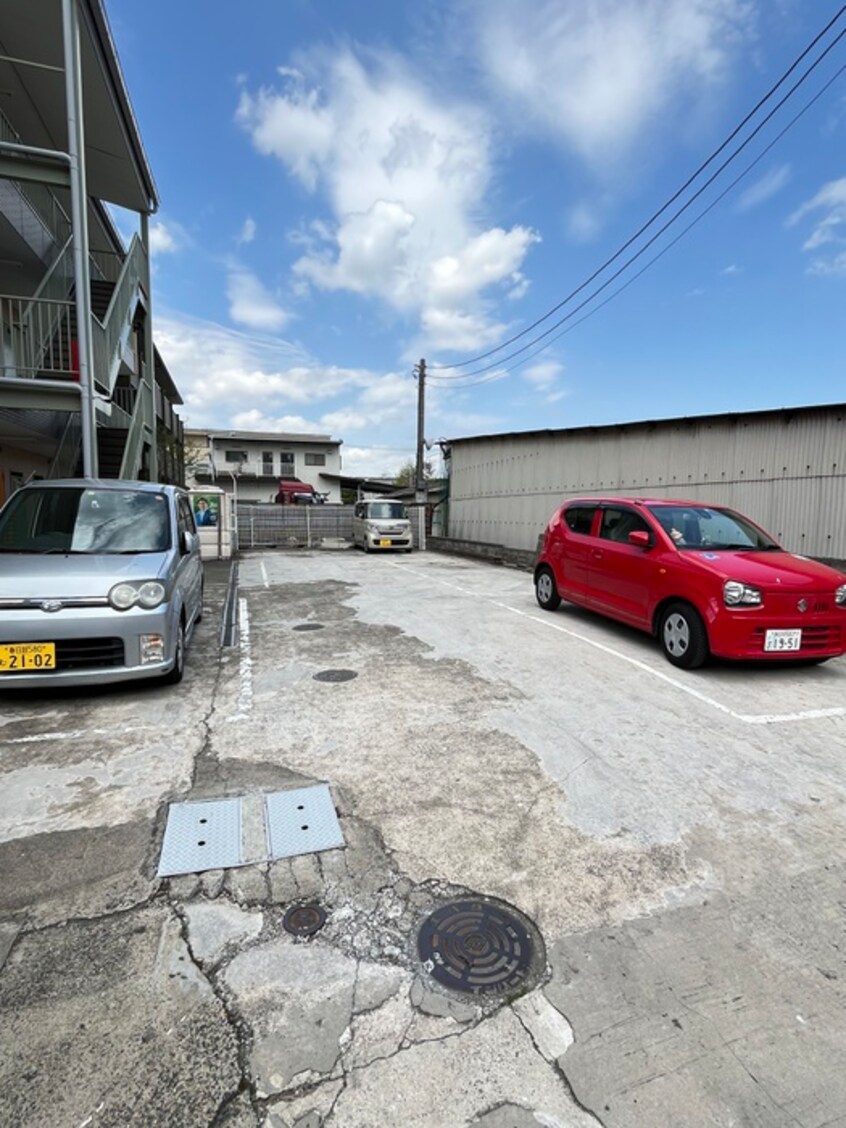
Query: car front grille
89, 653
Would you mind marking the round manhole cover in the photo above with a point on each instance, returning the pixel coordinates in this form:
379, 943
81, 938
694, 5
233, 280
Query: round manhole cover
477, 946
309, 627
335, 675
304, 920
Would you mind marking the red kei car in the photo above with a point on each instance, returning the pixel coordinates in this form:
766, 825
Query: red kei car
702, 578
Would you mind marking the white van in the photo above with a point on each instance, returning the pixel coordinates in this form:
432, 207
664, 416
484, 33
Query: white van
381, 524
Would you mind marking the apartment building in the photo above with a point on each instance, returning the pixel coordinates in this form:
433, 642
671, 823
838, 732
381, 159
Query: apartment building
82, 387
249, 464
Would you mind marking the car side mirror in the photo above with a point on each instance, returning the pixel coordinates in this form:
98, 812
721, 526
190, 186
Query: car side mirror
640, 538
188, 542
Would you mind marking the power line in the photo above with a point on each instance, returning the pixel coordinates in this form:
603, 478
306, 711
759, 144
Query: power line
502, 372
713, 156
653, 239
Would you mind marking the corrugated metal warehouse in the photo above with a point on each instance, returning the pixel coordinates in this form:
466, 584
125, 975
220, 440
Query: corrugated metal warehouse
785, 468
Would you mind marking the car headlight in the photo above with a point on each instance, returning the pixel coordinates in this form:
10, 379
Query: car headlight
148, 594
372, 528
151, 594
123, 596
737, 594
840, 594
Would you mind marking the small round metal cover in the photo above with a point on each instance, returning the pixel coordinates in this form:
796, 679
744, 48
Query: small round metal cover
335, 675
309, 627
304, 920
477, 946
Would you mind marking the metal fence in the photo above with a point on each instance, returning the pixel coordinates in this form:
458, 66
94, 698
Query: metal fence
304, 526
294, 526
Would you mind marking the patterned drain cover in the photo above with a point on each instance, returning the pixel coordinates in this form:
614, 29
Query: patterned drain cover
335, 675
477, 946
304, 920
309, 627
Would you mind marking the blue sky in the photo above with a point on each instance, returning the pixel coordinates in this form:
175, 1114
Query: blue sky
347, 188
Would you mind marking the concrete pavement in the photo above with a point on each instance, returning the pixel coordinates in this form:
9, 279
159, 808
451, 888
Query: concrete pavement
677, 839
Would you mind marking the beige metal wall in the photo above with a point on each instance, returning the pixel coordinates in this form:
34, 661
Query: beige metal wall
784, 469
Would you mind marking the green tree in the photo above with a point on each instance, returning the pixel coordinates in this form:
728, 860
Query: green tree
406, 474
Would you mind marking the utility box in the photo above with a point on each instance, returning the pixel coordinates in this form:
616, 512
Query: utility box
213, 518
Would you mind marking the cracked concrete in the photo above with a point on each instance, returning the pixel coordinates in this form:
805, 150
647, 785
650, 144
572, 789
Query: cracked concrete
692, 910
84, 1008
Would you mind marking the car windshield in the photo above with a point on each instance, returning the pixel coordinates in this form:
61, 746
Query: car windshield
700, 527
386, 511
90, 521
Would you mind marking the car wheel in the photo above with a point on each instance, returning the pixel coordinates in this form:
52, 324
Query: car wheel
546, 591
175, 673
683, 636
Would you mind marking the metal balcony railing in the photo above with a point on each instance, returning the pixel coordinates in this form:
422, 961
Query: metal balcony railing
252, 468
36, 339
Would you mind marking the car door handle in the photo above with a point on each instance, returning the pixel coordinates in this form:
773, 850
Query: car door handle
596, 553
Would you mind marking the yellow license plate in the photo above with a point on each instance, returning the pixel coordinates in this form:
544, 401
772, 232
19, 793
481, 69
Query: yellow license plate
384, 544
27, 656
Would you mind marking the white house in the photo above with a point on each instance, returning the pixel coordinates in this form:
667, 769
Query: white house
250, 464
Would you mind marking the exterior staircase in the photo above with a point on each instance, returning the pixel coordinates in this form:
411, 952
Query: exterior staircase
111, 443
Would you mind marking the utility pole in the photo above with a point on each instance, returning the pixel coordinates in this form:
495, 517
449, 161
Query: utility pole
419, 478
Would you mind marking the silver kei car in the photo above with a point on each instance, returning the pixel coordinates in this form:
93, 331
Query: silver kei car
100, 581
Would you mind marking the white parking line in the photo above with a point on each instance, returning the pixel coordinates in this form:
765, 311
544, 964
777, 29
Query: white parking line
245, 694
264, 574
547, 621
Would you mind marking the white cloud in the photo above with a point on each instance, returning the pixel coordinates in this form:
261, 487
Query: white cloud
295, 128
463, 332
597, 76
251, 304
583, 222
543, 375
832, 267
829, 229
217, 369
732, 268
248, 382
248, 231
255, 420
764, 189
374, 462
403, 172
162, 239
831, 195
483, 260
371, 254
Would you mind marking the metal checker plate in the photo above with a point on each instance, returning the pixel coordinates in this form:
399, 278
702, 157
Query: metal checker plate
302, 821
201, 836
